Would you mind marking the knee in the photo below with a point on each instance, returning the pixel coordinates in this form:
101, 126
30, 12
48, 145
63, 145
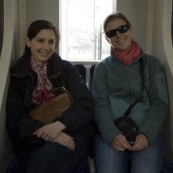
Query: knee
48, 150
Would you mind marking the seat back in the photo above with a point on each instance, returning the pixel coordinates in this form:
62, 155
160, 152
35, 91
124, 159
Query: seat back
82, 70
91, 73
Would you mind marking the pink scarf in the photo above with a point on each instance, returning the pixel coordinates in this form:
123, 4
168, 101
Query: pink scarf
40, 92
126, 57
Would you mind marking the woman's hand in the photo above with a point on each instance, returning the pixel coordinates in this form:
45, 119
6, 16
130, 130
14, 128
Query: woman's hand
120, 143
50, 131
65, 140
140, 143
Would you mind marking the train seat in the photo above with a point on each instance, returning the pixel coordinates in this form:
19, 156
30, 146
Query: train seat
82, 70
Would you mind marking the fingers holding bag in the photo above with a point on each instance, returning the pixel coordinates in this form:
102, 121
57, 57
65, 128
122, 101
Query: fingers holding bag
128, 127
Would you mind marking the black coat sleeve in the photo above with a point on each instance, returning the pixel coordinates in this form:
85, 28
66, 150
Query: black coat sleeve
80, 115
20, 127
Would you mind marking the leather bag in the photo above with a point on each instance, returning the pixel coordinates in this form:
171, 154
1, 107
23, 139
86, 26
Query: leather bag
48, 111
128, 128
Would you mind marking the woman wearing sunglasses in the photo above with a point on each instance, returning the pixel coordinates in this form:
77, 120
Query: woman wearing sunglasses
117, 84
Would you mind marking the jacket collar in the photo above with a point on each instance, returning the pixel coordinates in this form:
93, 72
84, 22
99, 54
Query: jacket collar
120, 63
54, 66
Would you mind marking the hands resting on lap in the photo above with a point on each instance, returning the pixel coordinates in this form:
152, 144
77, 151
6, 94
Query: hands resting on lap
120, 143
53, 132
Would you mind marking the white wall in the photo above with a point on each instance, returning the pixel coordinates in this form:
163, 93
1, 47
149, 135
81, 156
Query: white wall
42, 9
137, 13
9, 52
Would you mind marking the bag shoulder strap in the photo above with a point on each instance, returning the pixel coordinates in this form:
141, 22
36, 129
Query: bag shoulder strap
143, 85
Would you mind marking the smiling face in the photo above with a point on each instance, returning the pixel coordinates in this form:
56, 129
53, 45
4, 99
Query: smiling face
42, 45
122, 41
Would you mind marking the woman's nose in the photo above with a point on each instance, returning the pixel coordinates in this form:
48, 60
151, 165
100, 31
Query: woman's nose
46, 45
118, 34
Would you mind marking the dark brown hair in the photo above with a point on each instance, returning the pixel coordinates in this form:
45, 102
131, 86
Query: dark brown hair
37, 26
113, 16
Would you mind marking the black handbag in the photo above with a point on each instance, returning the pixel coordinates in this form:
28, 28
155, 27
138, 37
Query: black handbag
125, 123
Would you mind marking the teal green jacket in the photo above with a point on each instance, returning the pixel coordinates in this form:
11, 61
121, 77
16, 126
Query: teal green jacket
115, 87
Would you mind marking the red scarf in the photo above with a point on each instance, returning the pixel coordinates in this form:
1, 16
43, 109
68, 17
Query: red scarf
126, 57
40, 92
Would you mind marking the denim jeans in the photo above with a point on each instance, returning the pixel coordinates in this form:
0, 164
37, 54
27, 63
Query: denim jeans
147, 160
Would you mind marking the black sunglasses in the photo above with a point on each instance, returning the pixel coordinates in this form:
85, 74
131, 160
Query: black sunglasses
121, 29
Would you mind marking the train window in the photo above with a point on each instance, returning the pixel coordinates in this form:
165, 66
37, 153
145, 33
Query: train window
84, 34
1, 24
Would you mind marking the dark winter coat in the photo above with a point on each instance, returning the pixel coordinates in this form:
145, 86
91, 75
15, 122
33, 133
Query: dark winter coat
19, 102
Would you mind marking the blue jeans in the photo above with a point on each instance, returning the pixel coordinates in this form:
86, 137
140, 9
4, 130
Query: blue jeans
147, 160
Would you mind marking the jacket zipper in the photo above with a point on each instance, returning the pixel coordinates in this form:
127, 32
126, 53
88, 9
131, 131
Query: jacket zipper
128, 85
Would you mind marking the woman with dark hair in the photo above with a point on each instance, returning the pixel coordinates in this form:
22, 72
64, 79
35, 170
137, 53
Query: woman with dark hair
57, 147
118, 82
